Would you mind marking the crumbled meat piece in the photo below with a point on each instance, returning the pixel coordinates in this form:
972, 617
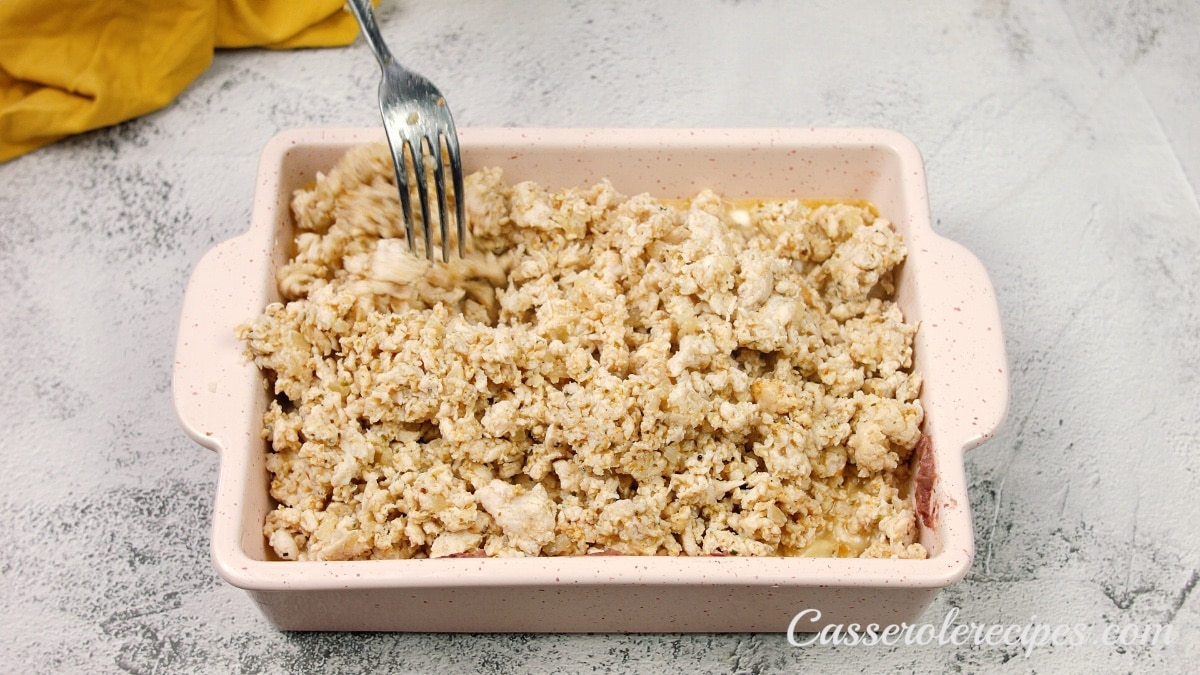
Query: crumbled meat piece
600, 374
525, 517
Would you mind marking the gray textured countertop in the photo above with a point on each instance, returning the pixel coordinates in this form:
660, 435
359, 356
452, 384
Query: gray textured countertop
1062, 145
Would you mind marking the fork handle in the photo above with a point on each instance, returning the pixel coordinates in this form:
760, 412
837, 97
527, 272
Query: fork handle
370, 30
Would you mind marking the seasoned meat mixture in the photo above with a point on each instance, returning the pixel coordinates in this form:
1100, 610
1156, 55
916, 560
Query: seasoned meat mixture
601, 373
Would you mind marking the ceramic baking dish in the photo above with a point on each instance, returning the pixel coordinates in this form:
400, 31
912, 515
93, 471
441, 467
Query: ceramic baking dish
959, 350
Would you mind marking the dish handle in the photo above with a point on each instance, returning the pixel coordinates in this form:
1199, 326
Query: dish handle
968, 378
213, 382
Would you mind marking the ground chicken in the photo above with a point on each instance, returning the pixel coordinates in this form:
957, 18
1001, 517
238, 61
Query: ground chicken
600, 373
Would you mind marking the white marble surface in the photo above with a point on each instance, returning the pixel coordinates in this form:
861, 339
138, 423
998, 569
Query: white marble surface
1062, 145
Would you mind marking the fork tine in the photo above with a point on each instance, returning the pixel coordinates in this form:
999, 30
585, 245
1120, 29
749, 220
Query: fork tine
439, 181
398, 144
418, 159
456, 174
405, 197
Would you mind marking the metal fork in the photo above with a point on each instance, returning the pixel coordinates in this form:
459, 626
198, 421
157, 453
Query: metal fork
415, 116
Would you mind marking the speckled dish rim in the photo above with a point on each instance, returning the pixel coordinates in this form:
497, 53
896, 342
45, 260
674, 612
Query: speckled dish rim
959, 349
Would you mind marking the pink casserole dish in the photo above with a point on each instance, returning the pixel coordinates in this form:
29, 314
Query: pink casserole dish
959, 350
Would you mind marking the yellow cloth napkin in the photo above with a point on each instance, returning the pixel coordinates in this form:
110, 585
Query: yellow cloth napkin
68, 66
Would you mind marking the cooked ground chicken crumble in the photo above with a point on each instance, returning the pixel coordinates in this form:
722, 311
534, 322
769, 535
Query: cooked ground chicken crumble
601, 373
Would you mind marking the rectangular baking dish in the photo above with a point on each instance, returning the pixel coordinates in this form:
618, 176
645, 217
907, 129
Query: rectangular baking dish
959, 350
